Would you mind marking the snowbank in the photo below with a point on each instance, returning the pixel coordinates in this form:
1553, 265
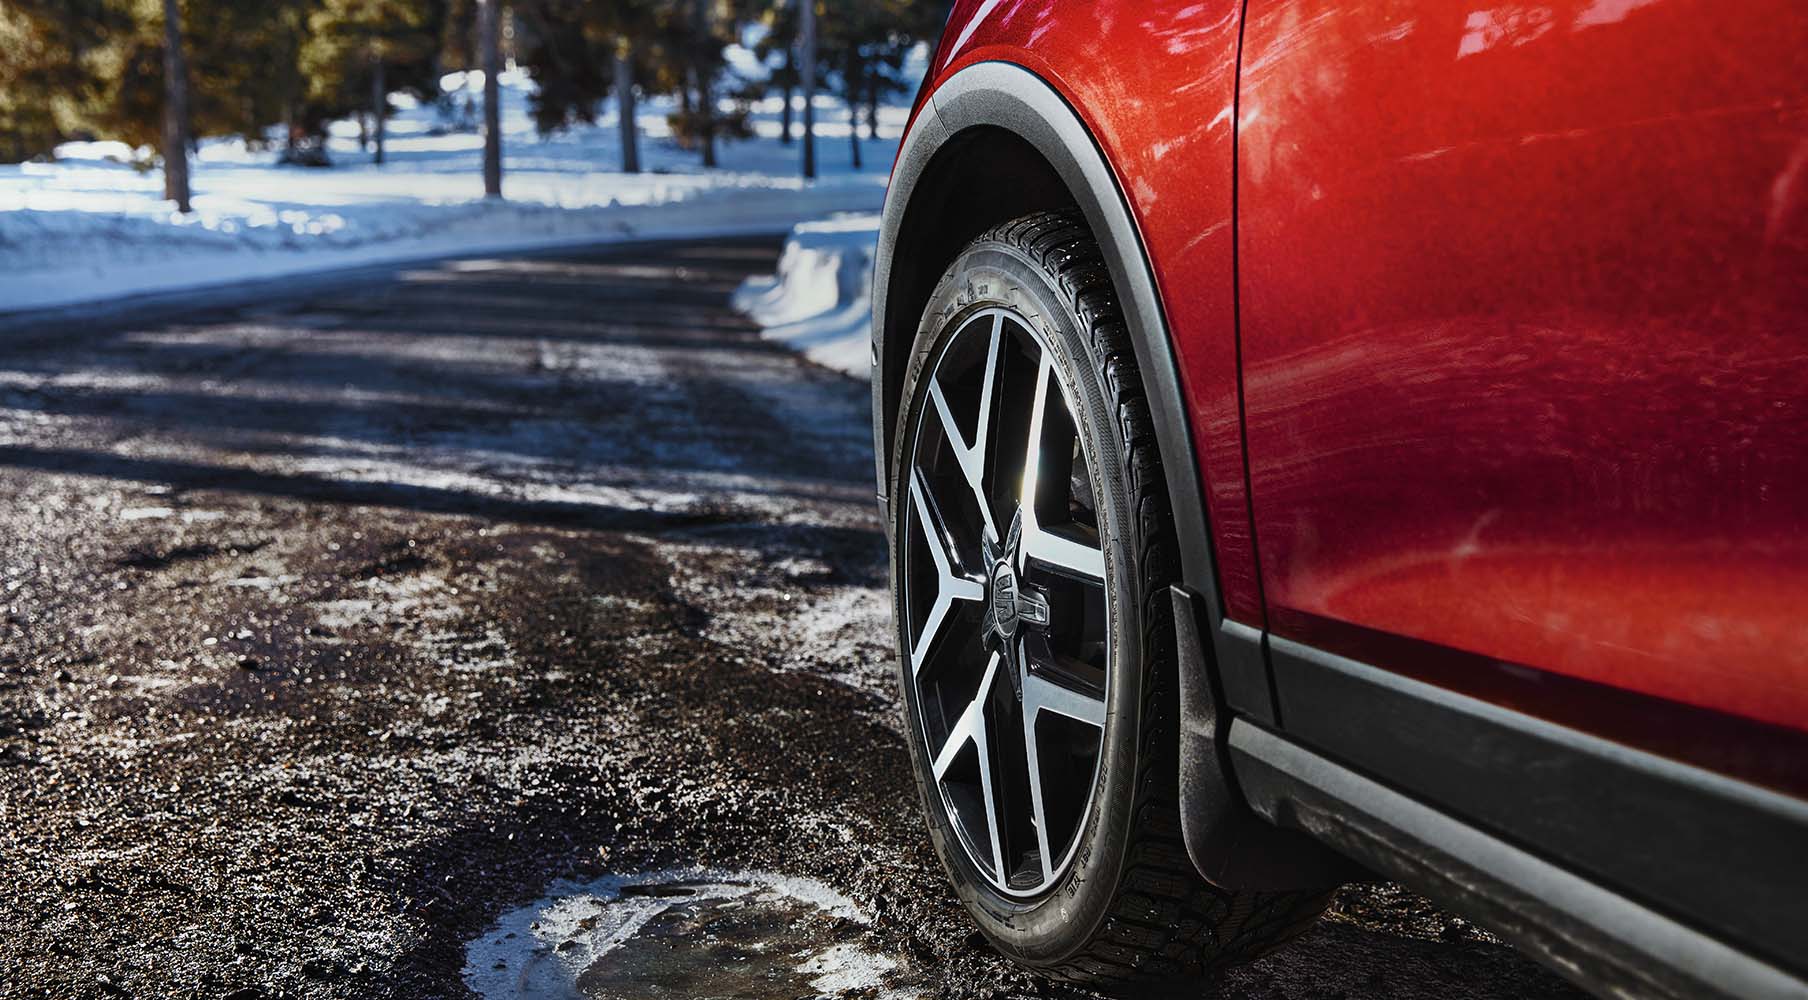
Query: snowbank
91, 227
821, 300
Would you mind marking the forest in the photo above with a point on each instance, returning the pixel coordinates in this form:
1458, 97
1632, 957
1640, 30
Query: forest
160, 75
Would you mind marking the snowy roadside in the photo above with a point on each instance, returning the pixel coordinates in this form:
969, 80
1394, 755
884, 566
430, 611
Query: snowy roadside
90, 228
112, 272
820, 302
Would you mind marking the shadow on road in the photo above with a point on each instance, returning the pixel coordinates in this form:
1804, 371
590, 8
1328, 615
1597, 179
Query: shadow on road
337, 624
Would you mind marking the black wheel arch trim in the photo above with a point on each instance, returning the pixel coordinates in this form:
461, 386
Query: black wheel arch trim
1006, 96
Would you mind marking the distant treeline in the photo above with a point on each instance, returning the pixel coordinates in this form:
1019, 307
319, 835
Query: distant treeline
102, 69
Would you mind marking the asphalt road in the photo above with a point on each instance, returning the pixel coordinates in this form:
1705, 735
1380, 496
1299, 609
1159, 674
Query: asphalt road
338, 625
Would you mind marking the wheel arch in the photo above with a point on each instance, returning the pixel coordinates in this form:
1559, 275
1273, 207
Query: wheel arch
1000, 121
931, 214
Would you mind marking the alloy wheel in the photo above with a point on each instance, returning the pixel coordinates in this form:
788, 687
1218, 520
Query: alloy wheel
1006, 601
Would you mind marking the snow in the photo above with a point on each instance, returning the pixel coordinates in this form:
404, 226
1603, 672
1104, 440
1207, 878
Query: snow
90, 226
821, 300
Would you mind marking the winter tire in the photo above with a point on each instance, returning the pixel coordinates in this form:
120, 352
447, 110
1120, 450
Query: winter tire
1033, 549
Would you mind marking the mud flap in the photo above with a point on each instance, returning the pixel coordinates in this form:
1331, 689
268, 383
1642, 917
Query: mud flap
1230, 845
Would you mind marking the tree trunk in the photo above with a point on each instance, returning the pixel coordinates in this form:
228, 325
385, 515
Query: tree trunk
706, 98
872, 105
807, 56
363, 133
379, 106
624, 105
784, 126
851, 84
489, 39
706, 103
701, 114
175, 110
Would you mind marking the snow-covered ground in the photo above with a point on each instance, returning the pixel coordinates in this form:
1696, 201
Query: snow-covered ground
90, 226
821, 300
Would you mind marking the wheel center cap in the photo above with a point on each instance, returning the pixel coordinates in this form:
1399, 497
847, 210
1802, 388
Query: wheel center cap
1004, 598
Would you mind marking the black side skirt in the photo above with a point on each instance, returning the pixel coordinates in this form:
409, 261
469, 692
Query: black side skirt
1626, 872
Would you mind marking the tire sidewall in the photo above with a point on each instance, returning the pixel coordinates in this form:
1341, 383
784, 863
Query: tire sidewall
1051, 927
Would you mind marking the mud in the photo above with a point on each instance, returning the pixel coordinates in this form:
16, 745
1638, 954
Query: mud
335, 628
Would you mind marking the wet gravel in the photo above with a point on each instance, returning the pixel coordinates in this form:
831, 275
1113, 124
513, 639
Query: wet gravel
336, 625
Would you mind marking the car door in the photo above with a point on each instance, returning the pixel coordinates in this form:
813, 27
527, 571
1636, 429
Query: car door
1524, 327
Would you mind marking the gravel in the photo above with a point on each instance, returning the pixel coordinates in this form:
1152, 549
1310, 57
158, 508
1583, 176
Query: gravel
335, 629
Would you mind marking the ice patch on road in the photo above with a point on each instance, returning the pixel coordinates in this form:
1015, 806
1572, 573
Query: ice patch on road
821, 300
846, 968
575, 942
264, 582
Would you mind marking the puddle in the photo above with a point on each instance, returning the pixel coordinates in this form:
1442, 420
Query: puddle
670, 935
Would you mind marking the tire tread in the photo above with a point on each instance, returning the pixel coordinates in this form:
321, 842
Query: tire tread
1166, 922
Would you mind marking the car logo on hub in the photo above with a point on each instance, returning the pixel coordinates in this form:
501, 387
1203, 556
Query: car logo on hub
1004, 599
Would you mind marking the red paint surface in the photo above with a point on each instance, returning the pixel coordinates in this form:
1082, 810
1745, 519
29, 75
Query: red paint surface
1153, 80
1525, 332
1524, 299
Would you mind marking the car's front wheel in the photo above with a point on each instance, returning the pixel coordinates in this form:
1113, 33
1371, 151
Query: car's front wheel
1032, 553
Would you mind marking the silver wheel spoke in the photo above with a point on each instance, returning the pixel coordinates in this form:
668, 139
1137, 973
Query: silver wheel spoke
1042, 695
1078, 558
1040, 543
949, 586
972, 457
971, 728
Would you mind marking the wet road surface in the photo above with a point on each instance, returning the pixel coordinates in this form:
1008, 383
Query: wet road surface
337, 627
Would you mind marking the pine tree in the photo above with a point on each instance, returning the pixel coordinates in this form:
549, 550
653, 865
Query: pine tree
781, 21
693, 36
568, 49
580, 52
244, 65
867, 40
55, 69
359, 51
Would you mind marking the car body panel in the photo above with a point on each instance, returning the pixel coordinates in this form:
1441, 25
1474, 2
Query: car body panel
1524, 316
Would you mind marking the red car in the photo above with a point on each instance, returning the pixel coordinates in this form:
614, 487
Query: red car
1358, 435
